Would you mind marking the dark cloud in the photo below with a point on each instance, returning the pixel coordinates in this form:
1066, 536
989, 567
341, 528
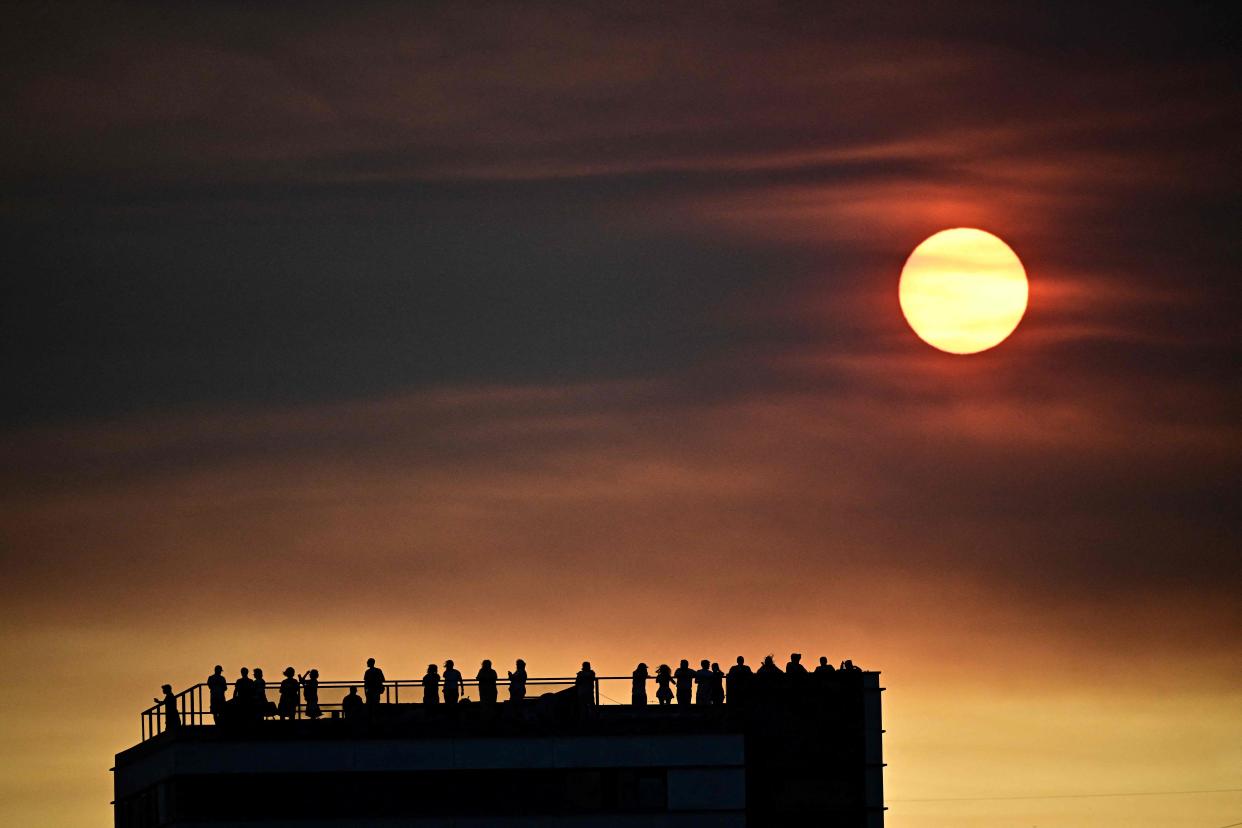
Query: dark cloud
492, 315
238, 205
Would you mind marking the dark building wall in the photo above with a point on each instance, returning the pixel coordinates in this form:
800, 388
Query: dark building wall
570, 778
808, 755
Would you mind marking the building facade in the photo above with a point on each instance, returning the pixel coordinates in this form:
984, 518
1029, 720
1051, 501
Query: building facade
796, 756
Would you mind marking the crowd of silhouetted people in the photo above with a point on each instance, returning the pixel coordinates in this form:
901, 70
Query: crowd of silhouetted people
708, 685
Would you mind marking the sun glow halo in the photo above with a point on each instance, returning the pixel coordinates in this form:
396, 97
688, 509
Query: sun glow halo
963, 290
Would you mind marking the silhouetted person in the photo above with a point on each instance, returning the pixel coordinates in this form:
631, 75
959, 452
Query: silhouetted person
452, 683
768, 667
684, 677
703, 682
487, 683
638, 692
352, 706
717, 684
822, 678
217, 688
768, 679
431, 685
172, 719
373, 684
262, 706
243, 688
847, 666
517, 682
310, 690
796, 672
584, 687
739, 679
664, 684
290, 696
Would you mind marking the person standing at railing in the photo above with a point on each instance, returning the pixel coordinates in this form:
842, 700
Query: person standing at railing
584, 685
290, 693
310, 690
373, 684
638, 692
517, 682
703, 682
243, 689
824, 674
217, 686
717, 685
768, 680
685, 682
487, 683
452, 683
262, 707
243, 697
739, 679
431, 685
796, 673
664, 682
172, 719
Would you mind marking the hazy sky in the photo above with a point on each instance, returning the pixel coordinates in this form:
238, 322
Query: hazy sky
493, 331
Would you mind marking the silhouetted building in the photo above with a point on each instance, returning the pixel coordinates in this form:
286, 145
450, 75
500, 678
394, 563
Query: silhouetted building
809, 757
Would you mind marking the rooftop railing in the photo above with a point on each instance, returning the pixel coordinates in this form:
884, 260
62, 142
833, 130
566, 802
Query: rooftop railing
194, 707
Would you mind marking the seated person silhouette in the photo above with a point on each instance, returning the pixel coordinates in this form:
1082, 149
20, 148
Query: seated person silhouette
431, 685
487, 682
684, 677
352, 706
517, 682
824, 667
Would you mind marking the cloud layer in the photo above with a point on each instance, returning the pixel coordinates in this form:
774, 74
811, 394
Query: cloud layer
418, 331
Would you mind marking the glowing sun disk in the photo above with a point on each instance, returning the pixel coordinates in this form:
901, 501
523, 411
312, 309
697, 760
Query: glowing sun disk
963, 290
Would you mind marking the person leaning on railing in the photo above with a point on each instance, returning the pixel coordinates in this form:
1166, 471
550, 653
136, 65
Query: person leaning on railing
517, 682
172, 719
487, 682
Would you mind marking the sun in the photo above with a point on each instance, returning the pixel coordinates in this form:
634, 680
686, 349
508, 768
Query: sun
963, 290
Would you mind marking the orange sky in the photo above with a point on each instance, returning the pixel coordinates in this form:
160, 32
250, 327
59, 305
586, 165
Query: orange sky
446, 331
607, 522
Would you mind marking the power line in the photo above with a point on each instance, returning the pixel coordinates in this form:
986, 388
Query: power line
1072, 796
